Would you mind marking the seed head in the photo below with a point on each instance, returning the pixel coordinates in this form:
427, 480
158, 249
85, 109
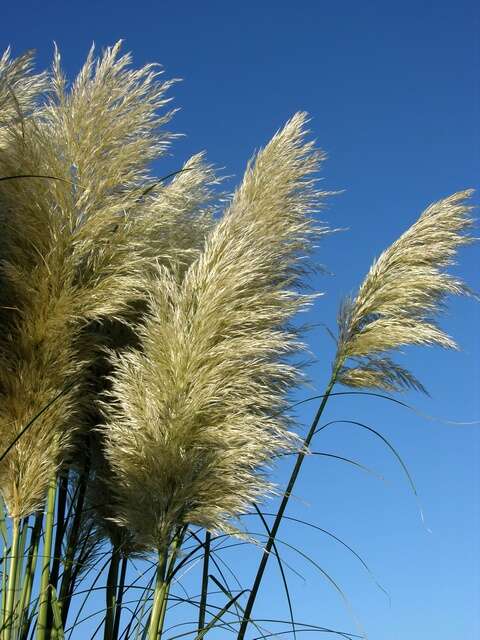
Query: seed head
194, 417
401, 296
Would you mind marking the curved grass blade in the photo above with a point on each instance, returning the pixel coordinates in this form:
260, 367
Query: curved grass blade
35, 175
213, 559
219, 615
313, 629
322, 571
140, 606
405, 405
35, 417
283, 505
230, 595
82, 606
280, 566
164, 179
339, 540
234, 545
392, 449
349, 461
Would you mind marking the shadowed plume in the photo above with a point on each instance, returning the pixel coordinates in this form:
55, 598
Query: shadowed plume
75, 246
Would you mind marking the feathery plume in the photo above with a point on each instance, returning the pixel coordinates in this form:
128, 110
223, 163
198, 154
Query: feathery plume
19, 91
194, 416
400, 297
174, 220
72, 246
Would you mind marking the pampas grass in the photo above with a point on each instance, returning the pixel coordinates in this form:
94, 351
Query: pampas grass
147, 349
195, 413
19, 90
401, 296
75, 245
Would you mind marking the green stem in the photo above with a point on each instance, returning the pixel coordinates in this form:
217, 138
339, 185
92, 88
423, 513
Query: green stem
121, 588
57, 547
4, 588
12, 579
158, 597
59, 529
42, 629
203, 597
111, 594
68, 578
20, 578
26, 595
283, 505
176, 545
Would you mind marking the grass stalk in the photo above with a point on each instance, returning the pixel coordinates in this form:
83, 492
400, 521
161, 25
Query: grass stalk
5, 552
66, 586
156, 618
59, 529
176, 545
203, 597
12, 580
19, 578
43, 606
3, 523
283, 505
30, 568
120, 592
4, 587
111, 594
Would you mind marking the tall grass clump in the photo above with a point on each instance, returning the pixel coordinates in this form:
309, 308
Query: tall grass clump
148, 351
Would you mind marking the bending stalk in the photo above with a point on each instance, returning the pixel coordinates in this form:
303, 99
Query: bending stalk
283, 506
12, 579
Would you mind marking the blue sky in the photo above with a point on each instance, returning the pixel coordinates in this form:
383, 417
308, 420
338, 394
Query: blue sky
393, 92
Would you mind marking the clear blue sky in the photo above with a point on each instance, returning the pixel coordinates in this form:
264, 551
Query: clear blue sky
393, 91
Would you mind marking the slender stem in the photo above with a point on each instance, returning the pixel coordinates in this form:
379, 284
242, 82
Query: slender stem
42, 630
24, 527
176, 545
203, 597
66, 587
137, 613
19, 579
57, 548
121, 588
3, 523
6, 551
111, 594
158, 597
25, 598
12, 579
4, 588
59, 529
81, 557
283, 506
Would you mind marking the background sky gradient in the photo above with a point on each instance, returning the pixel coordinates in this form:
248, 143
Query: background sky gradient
393, 93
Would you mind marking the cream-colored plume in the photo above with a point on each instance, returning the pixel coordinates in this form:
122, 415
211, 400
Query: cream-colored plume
76, 243
193, 419
19, 91
400, 297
